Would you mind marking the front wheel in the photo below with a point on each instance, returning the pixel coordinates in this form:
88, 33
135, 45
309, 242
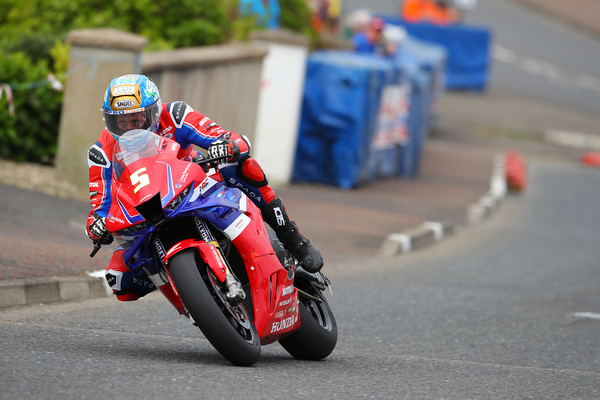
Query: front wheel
226, 325
317, 336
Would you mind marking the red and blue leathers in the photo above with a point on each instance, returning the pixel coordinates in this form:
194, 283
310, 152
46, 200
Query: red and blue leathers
188, 127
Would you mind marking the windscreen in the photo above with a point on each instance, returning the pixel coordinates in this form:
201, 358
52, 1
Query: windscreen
132, 146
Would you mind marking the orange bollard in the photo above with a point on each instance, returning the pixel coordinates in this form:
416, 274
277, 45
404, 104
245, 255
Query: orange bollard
591, 159
515, 171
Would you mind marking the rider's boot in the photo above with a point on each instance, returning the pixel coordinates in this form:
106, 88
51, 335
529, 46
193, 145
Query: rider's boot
275, 215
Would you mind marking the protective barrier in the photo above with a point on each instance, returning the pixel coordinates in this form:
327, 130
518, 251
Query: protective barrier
365, 117
468, 49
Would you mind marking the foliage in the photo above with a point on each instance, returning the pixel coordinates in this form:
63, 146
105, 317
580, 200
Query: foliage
32, 44
31, 134
296, 15
164, 22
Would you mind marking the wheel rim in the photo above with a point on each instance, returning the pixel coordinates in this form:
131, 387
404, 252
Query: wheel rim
319, 314
236, 314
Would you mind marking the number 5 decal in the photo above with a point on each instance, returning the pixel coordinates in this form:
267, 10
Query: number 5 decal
139, 180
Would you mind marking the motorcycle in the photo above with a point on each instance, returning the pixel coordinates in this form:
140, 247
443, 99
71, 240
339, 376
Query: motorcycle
207, 249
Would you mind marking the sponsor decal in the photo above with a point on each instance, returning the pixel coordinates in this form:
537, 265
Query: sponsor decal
184, 175
209, 126
115, 219
217, 255
111, 280
203, 121
151, 90
94, 193
143, 282
178, 112
97, 157
173, 249
165, 131
95, 184
178, 185
279, 314
160, 250
283, 324
287, 290
204, 184
125, 89
279, 216
119, 112
285, 302
237, 226
174, 147
204, 234
249, 192
126, 80
124, 103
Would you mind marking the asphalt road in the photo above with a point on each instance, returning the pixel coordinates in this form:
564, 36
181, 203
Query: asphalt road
489, 313
539, 57
532, 55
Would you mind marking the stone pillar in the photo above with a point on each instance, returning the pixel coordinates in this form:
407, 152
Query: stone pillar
280, 102
97, 56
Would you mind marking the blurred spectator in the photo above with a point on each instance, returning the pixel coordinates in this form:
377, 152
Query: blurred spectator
463, 7
355, 22
332, 24
320, 9
267, 11
372, 40
439, 12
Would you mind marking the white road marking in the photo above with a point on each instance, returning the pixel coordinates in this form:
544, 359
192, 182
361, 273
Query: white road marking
547, 70
586, 315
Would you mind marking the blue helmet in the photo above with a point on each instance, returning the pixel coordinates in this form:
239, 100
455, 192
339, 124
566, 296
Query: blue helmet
131, 102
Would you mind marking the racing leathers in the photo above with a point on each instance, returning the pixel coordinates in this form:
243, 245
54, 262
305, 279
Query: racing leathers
188, 127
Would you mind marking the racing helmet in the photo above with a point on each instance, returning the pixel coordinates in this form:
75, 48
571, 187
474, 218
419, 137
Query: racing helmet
131, 102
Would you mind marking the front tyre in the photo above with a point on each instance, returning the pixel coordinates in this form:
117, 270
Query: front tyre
317, 336
225, 325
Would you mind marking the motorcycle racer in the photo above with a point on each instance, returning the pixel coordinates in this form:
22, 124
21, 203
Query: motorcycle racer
133, 102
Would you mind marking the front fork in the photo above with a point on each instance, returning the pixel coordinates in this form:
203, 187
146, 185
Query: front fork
233, 286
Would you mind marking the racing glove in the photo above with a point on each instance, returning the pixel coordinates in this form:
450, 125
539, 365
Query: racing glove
224, 149
97, 229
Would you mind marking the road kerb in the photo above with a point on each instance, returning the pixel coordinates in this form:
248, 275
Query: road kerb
22, 292
414, 238
428, 233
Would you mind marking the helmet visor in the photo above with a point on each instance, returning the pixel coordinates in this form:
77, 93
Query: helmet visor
121, 121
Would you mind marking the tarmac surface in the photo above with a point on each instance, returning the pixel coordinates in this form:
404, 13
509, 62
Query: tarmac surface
44, 253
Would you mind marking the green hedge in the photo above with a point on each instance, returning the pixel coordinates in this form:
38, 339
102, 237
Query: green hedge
32, 44
31, 133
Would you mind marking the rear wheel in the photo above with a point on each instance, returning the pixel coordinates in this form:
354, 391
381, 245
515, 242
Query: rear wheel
317, 336
226, 325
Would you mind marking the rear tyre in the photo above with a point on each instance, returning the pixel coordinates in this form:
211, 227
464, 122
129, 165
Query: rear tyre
317, 336
225, 325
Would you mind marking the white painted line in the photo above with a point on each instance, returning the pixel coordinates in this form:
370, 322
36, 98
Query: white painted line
437, 228
568, 81
403, 239
503, 54
575, 140
588, 82
586, 315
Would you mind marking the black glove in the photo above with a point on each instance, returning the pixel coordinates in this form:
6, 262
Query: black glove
224, 149
98, 228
